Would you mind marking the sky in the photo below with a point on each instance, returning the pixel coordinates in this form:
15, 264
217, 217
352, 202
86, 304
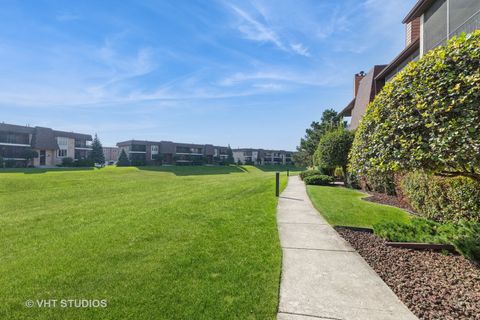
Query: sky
246, 73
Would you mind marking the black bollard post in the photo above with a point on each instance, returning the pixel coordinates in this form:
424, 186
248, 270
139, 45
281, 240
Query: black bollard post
288, 172
277, 184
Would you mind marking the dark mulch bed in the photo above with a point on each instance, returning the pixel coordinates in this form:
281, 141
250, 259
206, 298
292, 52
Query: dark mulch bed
383, 198
431, 284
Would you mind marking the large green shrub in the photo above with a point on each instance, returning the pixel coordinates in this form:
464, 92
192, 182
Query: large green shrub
333, 148
427, 117
383, 182
318, 180
440, 198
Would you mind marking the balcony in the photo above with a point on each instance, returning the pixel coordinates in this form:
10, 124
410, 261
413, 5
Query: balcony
83, 144
472, 24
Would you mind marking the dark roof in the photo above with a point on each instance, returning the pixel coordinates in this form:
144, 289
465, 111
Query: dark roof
260, 150
399, 58
44, 138
130, 142
181, 144
72, 135
15, 128
418, 9
347, 111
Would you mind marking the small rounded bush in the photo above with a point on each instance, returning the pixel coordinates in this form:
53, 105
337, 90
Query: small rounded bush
318, 180
67, 162
308, 173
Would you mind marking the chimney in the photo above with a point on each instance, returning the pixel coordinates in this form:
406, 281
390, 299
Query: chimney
358, 77
412, 31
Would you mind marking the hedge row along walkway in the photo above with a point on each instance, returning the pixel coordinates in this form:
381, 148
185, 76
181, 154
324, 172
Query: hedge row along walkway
322, 276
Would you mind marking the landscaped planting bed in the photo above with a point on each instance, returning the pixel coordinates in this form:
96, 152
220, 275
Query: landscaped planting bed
388, 200
433, 285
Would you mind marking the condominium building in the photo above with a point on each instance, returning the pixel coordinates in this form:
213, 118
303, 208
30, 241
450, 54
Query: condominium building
110, 154
261, 156
52, 146
429, 24
167, 152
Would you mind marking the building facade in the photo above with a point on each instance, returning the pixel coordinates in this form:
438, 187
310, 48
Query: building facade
262, 157
52, 146
166, 152
429, 24
365, 88
110, 154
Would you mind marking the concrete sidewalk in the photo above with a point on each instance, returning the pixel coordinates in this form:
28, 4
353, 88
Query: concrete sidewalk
322, 275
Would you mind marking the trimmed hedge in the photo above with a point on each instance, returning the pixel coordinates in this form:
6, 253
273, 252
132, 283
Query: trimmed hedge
464, 235
308, 173
442, 199
318, 180
427, 117
333, 148
67, 162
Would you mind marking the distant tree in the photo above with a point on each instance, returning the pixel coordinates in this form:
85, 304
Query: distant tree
302, 159
123, 159
96, 155
29, 155
308, 144
230, 159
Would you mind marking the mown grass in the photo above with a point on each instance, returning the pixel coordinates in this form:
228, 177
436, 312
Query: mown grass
156, 243
345, 207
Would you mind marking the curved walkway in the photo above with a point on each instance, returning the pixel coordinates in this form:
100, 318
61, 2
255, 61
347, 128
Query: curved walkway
322, 275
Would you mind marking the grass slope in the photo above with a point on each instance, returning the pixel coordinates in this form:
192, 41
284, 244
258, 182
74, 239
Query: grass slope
342, 206
157, 243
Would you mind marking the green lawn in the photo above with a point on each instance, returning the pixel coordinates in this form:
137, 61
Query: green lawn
156, 242
345, 207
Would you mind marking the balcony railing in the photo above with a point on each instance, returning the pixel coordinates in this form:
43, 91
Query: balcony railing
472, 24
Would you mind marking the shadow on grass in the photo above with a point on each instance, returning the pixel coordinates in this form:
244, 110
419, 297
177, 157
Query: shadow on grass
279, 168
194, 170
42, 170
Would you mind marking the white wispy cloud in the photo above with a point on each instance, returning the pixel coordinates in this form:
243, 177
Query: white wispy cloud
300, 49
254, 29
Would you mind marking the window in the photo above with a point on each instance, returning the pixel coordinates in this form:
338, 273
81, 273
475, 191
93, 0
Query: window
14, 138
435, 25
180, 149
153, 152
138, 148
62, 153
463, 16
62, 141
461, 11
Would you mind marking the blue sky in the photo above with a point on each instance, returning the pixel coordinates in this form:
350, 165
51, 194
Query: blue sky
244, 73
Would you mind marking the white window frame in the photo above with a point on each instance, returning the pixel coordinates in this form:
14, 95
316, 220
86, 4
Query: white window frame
60, 151
62, 141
